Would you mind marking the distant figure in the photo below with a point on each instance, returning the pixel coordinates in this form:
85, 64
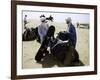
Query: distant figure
25, 21
71, 31
77, 24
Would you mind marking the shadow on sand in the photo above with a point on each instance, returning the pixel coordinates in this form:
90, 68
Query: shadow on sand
49, 61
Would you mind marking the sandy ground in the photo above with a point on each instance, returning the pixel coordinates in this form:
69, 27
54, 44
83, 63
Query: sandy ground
30, 48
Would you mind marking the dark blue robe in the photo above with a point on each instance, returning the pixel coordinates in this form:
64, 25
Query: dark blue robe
72, 34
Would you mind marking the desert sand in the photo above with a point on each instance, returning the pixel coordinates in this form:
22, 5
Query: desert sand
30, 48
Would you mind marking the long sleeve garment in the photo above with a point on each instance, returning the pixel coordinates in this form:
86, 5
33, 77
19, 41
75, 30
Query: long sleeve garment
72, 34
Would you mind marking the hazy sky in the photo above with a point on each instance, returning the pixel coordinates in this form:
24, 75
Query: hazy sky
59, 16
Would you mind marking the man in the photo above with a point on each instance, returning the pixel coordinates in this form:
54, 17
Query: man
42, 28
71, 31
42, 31
25, 21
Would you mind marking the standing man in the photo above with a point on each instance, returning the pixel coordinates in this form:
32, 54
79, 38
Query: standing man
71, 31
42, 31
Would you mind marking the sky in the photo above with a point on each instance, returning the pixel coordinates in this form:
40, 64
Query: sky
59, 16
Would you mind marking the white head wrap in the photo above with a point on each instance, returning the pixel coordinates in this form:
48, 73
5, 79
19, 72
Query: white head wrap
69, 19
42, 18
